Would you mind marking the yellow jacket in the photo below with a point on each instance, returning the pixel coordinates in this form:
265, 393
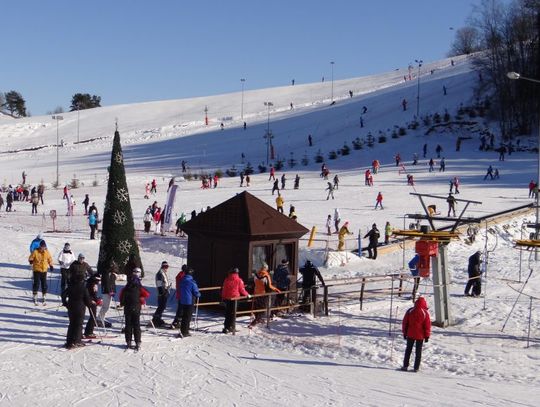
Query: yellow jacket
343, 232
40, 261
280, 201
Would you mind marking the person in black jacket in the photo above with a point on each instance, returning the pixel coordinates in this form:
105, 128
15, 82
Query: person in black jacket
76, 299
309, 272
373, 236
132, 296
474, 275
163, 286
79, 270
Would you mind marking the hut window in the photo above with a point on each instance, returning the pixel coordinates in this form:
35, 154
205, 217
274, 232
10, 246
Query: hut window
260, 255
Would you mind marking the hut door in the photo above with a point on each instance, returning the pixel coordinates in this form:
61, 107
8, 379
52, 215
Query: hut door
260, 255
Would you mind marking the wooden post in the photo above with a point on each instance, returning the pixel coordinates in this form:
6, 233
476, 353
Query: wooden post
362, 292
400, 284
268, 310
234, 317
325, 288
314, 301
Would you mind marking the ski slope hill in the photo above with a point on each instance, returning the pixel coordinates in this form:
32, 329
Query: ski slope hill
348, 358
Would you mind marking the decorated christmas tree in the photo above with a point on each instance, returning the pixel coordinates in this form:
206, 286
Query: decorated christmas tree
118, 232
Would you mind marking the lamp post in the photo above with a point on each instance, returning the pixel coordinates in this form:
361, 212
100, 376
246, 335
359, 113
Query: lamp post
332, 94
78, 118
57, 118
242, 81
515, 75
419, 62
268, 135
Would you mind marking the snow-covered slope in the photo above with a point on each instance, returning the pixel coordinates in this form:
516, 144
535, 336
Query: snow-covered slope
348, 358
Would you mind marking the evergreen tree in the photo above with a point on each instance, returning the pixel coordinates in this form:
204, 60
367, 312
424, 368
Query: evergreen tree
15, 103
82, 101
118, 234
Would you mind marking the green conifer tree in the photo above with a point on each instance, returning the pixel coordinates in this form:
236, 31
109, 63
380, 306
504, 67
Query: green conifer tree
118, 232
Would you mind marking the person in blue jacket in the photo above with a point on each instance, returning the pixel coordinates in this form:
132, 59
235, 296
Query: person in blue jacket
413, 266
92, 222
36, 242
188, 290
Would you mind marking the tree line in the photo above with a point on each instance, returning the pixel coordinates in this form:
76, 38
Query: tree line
14, 103
505, 37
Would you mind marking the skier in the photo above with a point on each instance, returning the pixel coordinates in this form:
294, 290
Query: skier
456, 185
41, 262
181, 220
65, 192
431, 165
309, 272
178, 316
36, 242
387, 232
292, 213
496, 173
364, 109
337, 219
79, 268
410, 180
438, 150
216, 180
242, 178
424, 149
451, 182
147, 191
92, 222
147, 220
275, 187
398, 159
379, 200
272, 173
40, 191
157, 220
310, 140
375, 164
65, 259
532, 184
297, 182
367, 174
336, 181
248, 179
283, 181
282, 281
474, 280
404, 104
163, 286
233, 287
188, 290
279, 203
373, 236
76, 299
132, 296
85, 202
415, 159
263, 285
153, 189
502, 152
92, 288
416, 328
108, 291
9, 202
329, 225
442, 165
34, 200
330, 189
343, 232
24, 177
451, 200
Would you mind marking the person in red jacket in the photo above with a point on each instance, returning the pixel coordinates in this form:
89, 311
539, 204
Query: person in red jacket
233, 287
416, 328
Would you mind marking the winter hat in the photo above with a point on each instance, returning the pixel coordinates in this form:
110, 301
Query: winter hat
309, 263
42, 244
164, 264
184, 268
81, 256
374, 225
190, 271
284, 261
40, 235
137, 272
264, 266
234, 270
67, 246
346, 223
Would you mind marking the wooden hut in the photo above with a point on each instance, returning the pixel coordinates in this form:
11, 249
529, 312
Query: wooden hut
241, 232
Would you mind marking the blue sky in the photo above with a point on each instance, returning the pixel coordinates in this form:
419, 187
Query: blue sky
135, 51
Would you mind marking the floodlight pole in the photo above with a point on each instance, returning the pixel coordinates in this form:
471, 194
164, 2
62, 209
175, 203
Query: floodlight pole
57, 118
419, 62
242, 81
268, 135
515, 75
332, 94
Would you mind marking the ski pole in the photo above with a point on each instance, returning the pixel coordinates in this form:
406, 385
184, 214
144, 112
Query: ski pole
121, 316
96, 324
42, 309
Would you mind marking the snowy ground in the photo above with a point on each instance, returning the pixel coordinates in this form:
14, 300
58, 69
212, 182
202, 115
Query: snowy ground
348, 358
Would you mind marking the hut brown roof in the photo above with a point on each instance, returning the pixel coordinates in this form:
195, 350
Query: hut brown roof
244, 216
